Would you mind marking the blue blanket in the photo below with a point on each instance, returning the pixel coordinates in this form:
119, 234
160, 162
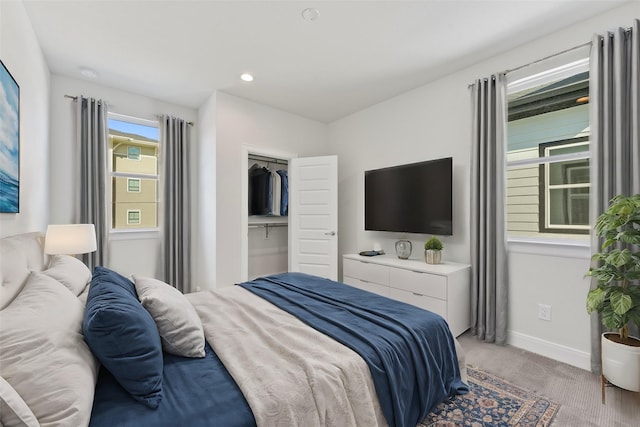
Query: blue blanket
197, 393
410, 351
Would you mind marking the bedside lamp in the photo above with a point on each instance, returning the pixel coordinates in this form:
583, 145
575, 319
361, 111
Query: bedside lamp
70, 239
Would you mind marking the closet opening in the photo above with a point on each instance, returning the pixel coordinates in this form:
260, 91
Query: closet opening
265, 240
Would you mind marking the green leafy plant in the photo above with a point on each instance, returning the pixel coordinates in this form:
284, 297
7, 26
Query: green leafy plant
434, 244
616, 297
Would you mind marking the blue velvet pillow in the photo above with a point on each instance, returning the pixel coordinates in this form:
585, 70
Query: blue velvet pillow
123, 336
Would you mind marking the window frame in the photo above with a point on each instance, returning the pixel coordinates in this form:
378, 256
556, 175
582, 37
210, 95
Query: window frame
135, 156
546, 241
545, 187
129, 212
126, 233
138, 180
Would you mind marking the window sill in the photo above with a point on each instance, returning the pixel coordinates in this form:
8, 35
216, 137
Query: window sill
134, 234
563, 248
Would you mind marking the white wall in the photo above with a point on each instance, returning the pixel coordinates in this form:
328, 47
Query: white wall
128, 254
435, 121
239, 124
204, 203
20, 52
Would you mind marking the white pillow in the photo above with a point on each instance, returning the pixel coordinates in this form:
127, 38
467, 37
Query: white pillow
44, 356
180, 327
13, 410
69, 271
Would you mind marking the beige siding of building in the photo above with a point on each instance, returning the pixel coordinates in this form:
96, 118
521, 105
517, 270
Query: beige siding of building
523, 195
144, 201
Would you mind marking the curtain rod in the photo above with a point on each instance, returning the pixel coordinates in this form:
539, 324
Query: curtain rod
547, 57
470, 85
75, 98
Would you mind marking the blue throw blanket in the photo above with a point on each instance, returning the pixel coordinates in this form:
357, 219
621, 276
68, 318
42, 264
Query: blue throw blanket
410, 351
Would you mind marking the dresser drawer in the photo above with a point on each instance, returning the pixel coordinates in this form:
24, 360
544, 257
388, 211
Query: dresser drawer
366, 271
367, 286
435, 305
421, 283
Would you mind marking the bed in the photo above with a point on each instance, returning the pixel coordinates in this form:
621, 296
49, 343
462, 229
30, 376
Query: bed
96, 348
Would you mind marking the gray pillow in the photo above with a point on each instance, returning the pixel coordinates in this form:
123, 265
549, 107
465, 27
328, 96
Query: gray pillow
180, 327
44, 356
69, 271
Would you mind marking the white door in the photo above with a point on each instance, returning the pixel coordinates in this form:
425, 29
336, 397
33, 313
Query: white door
313, 216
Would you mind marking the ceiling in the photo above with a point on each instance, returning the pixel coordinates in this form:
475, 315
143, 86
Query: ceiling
355, 54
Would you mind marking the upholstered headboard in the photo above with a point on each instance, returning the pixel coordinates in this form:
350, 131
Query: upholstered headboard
19, 255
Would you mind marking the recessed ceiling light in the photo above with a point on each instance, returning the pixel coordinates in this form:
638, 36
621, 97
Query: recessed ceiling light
310, 14
89, 73
246, 77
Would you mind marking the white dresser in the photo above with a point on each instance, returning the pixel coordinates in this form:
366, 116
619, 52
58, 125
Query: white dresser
442, 288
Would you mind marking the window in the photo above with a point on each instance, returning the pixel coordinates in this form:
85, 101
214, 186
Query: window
564, 188
133, 153
133, 185
133, 217
548, 153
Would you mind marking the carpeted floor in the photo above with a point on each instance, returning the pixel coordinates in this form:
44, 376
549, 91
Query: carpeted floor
492, 401
577, 391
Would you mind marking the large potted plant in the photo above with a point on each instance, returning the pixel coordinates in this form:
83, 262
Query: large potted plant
617, 296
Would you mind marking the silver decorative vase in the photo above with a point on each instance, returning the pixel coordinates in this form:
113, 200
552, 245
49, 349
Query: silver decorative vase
403, 249
432, 256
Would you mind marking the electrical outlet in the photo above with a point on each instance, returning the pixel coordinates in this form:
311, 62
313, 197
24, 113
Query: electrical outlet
197, 288
544, 312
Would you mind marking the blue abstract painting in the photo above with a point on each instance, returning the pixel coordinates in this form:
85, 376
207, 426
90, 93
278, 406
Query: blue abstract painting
9, 142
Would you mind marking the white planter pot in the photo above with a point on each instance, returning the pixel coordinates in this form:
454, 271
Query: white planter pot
621, 364
432, 256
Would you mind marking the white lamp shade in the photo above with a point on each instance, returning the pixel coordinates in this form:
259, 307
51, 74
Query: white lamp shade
70, 239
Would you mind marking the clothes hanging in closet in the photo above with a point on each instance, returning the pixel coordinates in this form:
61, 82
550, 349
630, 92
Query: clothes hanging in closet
268, 191
260, 190
284, 196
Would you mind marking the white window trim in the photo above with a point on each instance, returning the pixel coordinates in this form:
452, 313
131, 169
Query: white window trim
557, 73
552, 247
548, 187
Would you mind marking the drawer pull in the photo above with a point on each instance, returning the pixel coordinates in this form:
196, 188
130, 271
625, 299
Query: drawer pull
420, 295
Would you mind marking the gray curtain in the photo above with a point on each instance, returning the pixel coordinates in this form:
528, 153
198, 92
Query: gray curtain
175, 136
489, 281
614, 96
92, 137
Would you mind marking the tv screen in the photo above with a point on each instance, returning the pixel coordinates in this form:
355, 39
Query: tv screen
412, 198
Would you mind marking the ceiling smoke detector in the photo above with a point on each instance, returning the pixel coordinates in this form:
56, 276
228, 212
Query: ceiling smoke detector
89, 73
310, 14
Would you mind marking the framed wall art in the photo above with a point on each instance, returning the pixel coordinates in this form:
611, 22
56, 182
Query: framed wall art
9, 142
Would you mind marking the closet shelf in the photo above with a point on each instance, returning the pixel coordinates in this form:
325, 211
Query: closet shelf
271, 220
259, 158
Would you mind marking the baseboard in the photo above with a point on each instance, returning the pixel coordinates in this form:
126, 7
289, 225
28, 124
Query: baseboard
561, 353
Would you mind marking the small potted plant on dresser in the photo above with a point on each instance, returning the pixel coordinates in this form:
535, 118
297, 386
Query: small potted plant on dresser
433, 251
617, 296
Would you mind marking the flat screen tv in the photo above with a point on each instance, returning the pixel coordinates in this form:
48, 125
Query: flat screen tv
411, 198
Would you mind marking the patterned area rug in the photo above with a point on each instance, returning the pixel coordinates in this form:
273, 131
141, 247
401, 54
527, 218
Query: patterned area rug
494, 402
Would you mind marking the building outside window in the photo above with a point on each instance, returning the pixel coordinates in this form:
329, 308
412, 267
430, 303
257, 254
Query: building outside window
133, 149
133, 217
548, 154
133, 185
133, 153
